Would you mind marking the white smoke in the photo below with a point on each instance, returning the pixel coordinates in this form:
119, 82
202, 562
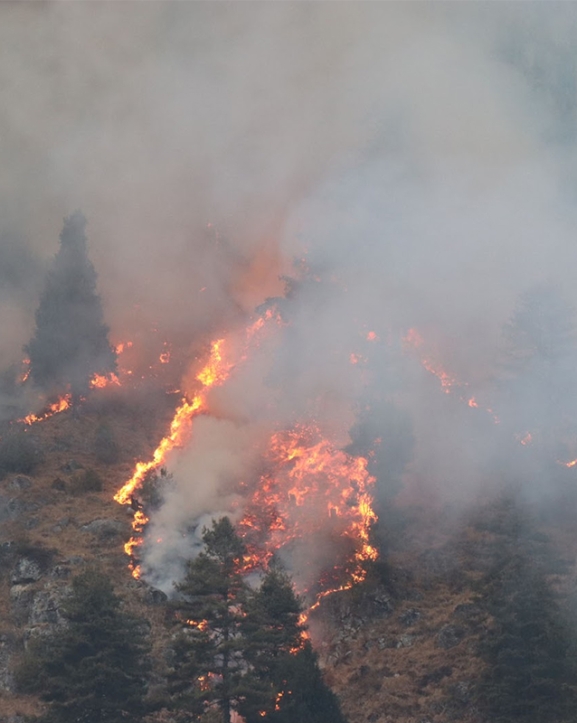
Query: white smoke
417, 156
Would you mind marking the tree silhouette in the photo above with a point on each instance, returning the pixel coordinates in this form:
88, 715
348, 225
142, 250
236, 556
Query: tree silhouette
208, 651
242, 649
70, 343
93, 670
284, 682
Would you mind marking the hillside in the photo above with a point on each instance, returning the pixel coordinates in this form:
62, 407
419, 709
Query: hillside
405, 646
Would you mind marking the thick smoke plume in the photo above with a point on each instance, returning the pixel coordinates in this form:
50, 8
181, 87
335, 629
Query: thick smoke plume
402, 166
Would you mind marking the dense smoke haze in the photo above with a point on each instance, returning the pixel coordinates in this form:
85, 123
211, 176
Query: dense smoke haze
385, 167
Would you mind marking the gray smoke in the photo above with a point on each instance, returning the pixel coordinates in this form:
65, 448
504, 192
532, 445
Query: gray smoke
419, 157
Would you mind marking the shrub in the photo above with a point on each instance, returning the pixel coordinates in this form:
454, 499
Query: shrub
86, 481
19, 452
106, 447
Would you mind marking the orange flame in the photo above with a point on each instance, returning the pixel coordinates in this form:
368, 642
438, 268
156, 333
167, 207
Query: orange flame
26, 371
99, 381
214, 373
59, 406
313, 486
449, 384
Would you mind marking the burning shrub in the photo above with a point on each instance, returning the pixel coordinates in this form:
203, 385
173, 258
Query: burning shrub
19, 452
86, 481
106, 447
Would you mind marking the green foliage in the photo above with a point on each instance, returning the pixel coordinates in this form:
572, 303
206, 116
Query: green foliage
86, 481
19, 452
154, 487
529, 650
241, 649
284, 681
208, 651
94, 669
106, 447
70, 343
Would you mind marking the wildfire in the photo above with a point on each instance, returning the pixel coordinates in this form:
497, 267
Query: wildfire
524, 438
26, 371
122, 346
311, 487
99, 381
58, 406
214, 373
449, 384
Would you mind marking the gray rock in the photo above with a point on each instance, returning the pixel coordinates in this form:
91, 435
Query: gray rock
60, 571
45, 608
75, 560
7, 649
20, 483
11, 509
155, 597
410, 617
106, 529
25, 571
21, 597
449, 636
71, 466
461, 691
405, 641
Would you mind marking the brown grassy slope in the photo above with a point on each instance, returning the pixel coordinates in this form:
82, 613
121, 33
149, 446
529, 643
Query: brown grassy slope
52, 518
411, 657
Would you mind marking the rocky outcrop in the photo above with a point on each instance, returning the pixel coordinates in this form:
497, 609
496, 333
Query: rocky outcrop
107, 529
25, 571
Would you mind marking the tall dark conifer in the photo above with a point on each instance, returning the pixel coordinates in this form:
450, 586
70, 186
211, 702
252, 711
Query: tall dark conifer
70, 343
95, 669
208, 661
284, 682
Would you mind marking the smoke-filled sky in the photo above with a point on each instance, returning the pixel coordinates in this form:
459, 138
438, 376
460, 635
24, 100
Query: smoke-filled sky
419, 154
425, 148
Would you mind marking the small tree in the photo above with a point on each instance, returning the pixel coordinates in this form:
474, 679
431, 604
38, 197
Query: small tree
284, 682
94, 669
209, 650
70, 343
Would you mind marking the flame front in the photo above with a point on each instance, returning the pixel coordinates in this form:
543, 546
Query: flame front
449, 384
60, 405
311, 488
214, 373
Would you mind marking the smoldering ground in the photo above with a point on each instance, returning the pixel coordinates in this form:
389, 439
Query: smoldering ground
417, 156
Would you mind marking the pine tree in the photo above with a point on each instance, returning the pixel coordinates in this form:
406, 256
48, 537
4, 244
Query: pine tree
94, 669
209, 661
531, 672
285, 682
241, 649
70, 343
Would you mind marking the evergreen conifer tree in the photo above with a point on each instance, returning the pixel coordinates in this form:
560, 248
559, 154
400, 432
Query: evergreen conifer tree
70, 343
242, 649
209, 661
94, 669
529, 649
285, 682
